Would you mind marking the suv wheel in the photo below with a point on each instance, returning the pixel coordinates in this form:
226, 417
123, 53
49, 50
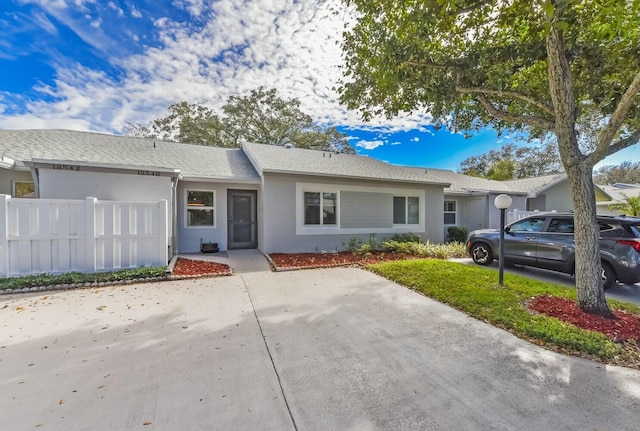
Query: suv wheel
481, 254
608, 276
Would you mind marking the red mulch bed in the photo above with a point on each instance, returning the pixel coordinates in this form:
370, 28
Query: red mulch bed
328, 260
192, 267
625, 327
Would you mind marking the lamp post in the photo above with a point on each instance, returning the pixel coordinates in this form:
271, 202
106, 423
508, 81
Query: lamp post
502, 202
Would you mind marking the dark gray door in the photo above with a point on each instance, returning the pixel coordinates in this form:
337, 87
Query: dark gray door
242, 217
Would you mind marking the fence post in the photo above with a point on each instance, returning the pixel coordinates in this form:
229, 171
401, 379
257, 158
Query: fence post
4, 240
90, 211
164, 232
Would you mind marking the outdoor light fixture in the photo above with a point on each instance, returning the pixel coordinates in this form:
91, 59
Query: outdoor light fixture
502, 202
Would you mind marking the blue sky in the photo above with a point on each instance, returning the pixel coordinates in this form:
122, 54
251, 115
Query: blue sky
96, 64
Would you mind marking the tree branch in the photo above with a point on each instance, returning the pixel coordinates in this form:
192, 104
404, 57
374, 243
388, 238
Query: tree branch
621, 144
628, 100
533, 121
516, 95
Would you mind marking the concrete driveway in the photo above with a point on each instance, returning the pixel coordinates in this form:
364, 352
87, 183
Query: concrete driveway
336, 349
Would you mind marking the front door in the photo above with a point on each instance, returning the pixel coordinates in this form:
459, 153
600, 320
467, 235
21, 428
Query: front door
242, 217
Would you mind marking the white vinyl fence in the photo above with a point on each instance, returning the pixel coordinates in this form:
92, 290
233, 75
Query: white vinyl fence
57, 235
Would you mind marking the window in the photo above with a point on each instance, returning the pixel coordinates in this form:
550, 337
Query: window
533, 224
320, 208
23, 189
559, 225
200, 208
406, 210
449, 212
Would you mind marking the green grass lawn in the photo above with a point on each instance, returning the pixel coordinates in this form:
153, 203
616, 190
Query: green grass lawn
475, 290
79, 278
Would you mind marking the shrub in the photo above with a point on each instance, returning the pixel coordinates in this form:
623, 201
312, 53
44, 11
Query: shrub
406, 237
457, 234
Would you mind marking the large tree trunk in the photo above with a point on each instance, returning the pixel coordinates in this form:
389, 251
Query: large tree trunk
588, 270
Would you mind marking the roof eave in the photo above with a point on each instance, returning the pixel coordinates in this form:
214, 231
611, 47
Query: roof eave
354, 177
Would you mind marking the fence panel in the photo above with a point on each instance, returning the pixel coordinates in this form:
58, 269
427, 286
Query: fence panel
57, 236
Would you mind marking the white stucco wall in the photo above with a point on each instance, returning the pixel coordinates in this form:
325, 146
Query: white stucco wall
281, 233
56, 184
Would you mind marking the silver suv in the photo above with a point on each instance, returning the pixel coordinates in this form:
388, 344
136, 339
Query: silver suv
546, 241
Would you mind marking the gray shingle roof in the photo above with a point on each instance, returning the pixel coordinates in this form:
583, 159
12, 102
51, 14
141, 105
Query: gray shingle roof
276, 159
535, 185
618, 194
193, 161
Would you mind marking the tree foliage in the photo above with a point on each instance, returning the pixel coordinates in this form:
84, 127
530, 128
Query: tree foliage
262, 117
630, 206
562, 68
513, 162
626, 172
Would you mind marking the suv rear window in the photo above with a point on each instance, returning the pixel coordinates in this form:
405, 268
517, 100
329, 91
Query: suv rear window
635, 228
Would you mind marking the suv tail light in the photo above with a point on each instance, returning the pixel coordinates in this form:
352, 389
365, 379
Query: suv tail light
634, 243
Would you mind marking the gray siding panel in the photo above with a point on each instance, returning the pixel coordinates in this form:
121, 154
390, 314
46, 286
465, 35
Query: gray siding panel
366, 210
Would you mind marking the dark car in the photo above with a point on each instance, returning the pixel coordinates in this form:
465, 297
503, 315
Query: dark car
546, 241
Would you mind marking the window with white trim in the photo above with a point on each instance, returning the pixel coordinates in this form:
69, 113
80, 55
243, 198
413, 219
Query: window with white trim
406, 210
23, 189
450, 212
201, 208
320, 208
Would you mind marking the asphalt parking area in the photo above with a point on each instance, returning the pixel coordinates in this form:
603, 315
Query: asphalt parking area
309, 350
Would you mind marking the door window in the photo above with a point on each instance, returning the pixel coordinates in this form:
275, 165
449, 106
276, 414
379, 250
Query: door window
533, 224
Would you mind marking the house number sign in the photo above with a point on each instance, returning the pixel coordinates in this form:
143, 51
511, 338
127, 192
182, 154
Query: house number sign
149, 173
66, 167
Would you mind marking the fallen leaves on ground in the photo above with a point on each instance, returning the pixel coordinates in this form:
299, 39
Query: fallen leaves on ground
199, 267
625, 327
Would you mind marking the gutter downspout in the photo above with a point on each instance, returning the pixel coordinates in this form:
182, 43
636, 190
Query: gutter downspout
174, 215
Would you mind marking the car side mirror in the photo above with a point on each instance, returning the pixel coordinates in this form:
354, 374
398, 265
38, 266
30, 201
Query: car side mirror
507, 229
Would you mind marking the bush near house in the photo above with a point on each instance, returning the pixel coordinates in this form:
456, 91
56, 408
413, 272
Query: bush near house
457, 233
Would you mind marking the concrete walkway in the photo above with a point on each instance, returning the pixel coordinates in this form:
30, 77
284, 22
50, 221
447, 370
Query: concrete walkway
331, 349
240, 261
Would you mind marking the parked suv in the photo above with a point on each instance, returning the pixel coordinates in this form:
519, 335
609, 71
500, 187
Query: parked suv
546, 241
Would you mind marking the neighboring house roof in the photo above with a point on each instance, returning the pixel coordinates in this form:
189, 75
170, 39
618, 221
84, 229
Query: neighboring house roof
618, 195
277, 159
193, 161
535, 185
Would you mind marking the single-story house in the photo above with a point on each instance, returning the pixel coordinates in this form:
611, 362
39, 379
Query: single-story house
619, 192
276, 199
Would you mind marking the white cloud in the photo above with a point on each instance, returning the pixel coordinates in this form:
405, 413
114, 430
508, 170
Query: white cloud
194, 7
292, 46
415, 139
396, 143
369, 145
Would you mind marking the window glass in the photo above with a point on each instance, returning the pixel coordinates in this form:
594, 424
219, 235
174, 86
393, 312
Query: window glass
199, 199
413, 210
533, 224
200, 208
399, 210
449, 212
561, 225
23, 189
311, 208
199, 217
329, 208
